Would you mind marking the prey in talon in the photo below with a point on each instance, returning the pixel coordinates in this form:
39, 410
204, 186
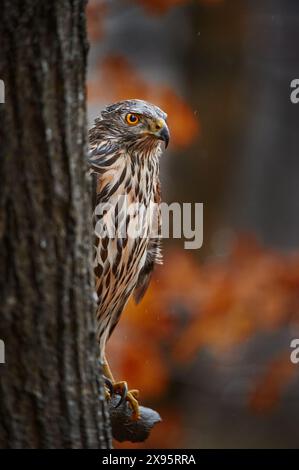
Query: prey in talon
121, 389
125, 146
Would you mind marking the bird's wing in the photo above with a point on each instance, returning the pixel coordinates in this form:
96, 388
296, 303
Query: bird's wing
101, 155
154, 255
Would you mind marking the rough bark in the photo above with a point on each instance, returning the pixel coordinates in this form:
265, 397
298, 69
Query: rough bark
48, 386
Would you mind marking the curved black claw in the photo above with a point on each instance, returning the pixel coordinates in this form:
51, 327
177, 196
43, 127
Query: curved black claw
109, 385
123, 394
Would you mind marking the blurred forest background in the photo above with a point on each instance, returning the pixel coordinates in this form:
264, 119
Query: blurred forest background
209, 346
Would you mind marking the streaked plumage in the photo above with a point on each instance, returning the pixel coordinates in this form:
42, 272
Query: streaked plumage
125, 161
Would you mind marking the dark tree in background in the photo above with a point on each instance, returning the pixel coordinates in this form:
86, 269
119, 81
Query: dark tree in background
48, 386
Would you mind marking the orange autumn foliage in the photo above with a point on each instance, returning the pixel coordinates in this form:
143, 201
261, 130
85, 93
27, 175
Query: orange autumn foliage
254, 290
138, 360
269, 389
216, 305
162, 6
116, 79
159, 6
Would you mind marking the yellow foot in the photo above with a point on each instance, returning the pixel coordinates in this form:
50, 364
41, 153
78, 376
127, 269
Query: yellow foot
107, 393
121, 388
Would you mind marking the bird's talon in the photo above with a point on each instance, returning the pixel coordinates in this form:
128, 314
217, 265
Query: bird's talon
121, 388
109, 390
135, 393
134, 404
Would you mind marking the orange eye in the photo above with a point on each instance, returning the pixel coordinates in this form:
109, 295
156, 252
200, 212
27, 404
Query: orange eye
132, 119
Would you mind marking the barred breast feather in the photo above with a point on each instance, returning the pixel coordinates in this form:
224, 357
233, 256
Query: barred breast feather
123, 265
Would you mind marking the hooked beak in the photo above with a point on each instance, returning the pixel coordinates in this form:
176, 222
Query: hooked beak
159, 129
163, 134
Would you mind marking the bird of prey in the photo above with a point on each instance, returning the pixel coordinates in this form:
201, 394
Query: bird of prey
125, 145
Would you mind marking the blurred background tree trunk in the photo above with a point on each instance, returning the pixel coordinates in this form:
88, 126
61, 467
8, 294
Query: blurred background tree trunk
48, 386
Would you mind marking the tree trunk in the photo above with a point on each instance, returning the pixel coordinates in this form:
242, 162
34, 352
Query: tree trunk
48, 386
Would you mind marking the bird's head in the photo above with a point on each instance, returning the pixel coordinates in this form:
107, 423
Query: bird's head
136, 123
